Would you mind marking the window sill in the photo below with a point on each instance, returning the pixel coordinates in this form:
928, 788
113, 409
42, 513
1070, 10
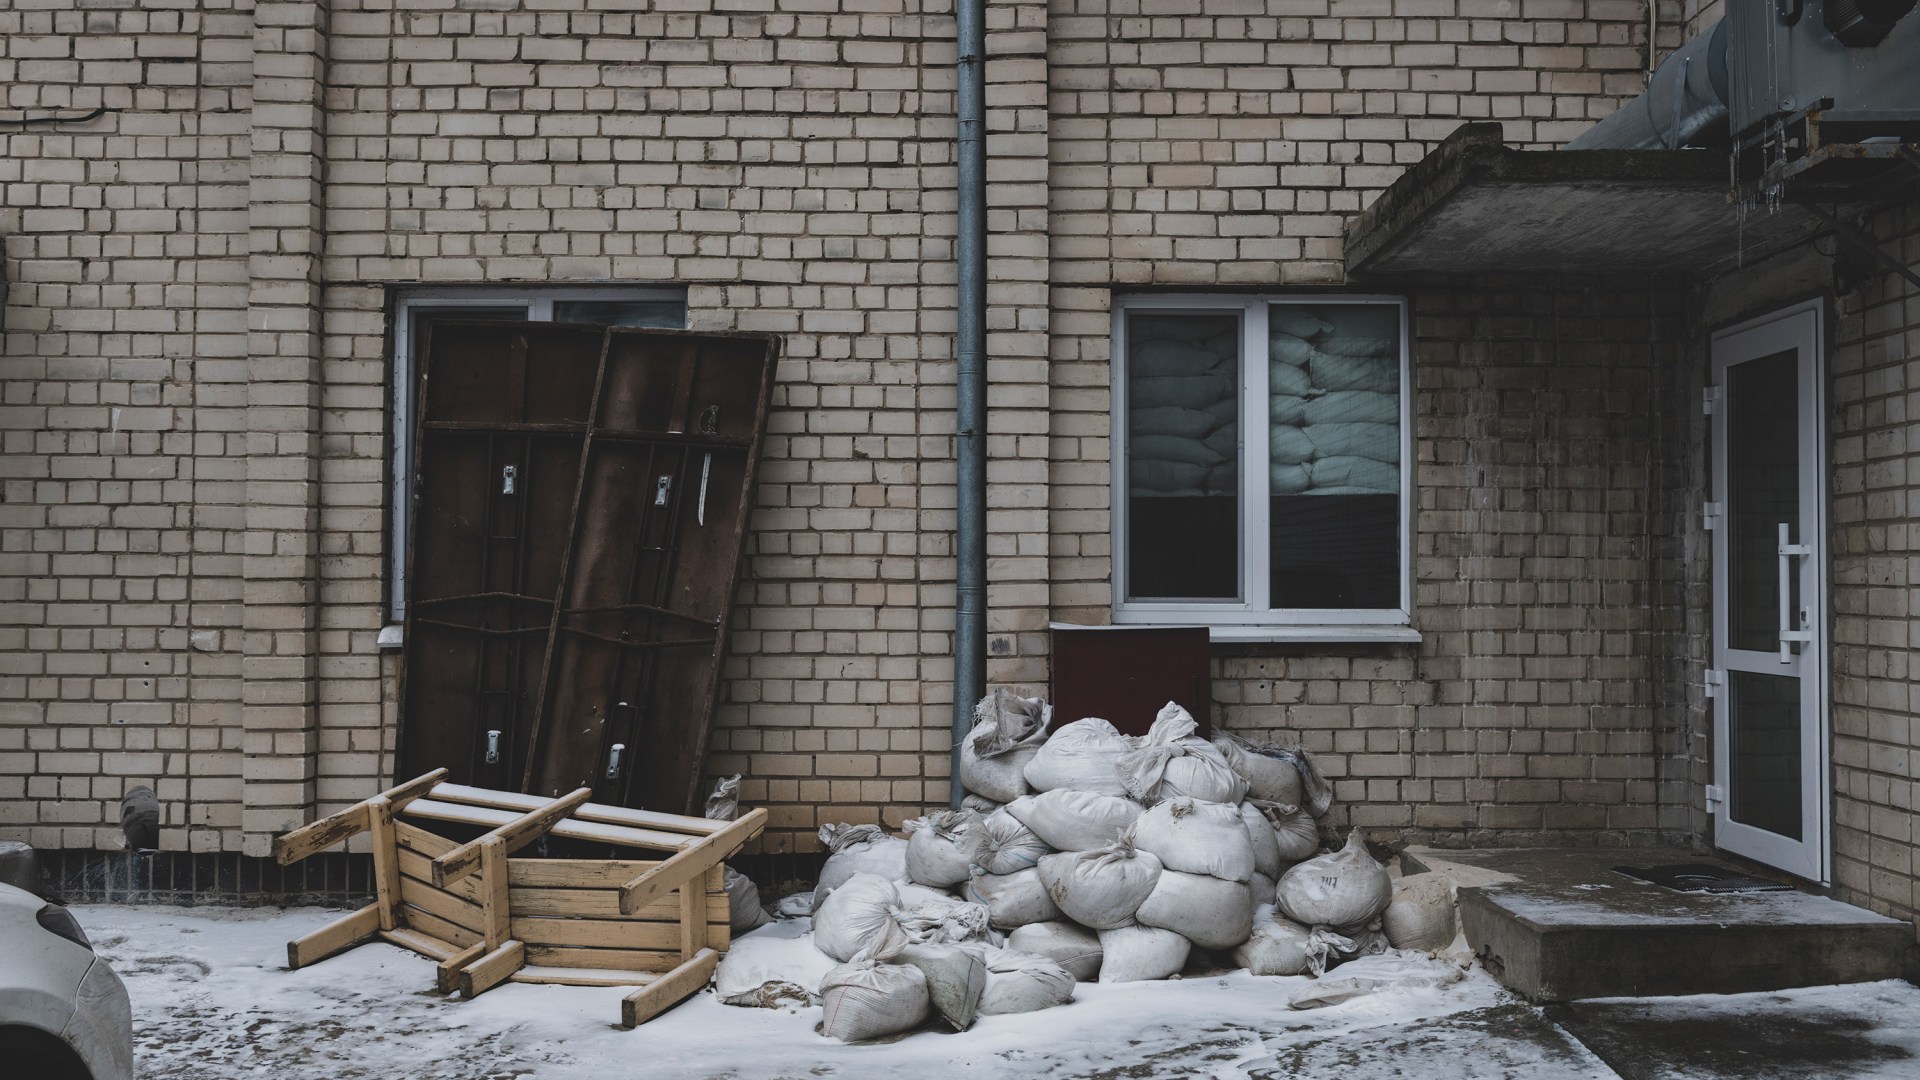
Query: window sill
1328, 634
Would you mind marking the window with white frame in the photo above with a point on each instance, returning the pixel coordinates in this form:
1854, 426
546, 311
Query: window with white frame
1261, 466
415, 309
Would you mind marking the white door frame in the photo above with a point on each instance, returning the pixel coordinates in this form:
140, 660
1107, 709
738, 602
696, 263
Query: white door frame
1800, 328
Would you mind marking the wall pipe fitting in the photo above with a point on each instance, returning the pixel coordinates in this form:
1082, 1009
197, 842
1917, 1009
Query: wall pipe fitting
1685, 99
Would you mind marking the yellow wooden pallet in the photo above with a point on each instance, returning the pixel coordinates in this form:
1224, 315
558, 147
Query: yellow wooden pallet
488, 916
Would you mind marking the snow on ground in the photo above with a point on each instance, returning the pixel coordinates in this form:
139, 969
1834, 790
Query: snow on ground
213, 1000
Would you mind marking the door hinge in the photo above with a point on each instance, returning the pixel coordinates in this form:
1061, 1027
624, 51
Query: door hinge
1716, 797
1710, 514
1715, 679
1709, 400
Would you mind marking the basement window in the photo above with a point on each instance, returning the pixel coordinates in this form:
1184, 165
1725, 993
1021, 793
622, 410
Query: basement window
416, 309
1261, 468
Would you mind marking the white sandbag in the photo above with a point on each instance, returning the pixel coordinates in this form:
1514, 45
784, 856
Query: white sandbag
1295, 831
913, 896
1075, 820
1287, 479
1285, 378
1197, 837
855, 916
1369, 406
1173, 448
1075, 948
1224, 411
1102, 888
1152, 476
1140, 953
858, 849
1358, 344
724, 803
1330, 372
1012, 899
1287, 410
1169, 358
744, 912
1277, 946
1261, 888
1211, 912
1289, 446
1225, 442
982, 805
1080, 756
1328, 948
1284, 348
1266, 846
1002, 845
1421, 914
1007, 731
1019, 982
956, 978
1355, 472
1295, 320
1224, 479
1390, 971
1345, 889
1269, 776
939, 848
870, 997
1193, 391
775, 967
1171, 761
947, 921
1171, 420
1378, 442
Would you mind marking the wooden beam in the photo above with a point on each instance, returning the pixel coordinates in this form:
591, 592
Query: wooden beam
668, 990
293, 846
691, 862
571, 829
493, 892
446, 974
693, 918
492, 969
386, 861
514, 835
593, 811
333, 937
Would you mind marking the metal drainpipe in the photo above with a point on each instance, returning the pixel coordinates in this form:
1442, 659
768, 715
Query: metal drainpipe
970, 406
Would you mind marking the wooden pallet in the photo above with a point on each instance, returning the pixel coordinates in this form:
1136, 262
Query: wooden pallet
488, 916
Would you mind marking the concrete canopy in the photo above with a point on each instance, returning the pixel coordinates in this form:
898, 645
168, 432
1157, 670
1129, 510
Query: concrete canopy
1474, 206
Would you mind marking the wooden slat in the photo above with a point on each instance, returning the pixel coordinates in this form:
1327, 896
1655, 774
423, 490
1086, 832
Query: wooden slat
291, 847
386, 866
691, 861
594, 831
693, 924
442, 904
583, 976
423, 943
609, 959
601, 812
414, 838
605, 904
669, 990
575, 873
492, 969
598, 933
515, 834
493, 893
420, 868
334, 937
446, 974
427, 924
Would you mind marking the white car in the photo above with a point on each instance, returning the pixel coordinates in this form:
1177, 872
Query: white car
64, 1014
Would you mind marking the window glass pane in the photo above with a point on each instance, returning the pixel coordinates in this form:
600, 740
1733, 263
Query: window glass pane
1182, 456
663, 314
1763, 490
1764, 779
1334, 455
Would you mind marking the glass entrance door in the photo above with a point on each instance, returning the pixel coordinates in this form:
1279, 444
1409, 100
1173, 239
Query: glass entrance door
1770, 740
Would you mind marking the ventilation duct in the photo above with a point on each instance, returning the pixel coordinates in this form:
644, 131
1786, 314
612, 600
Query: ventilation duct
1685, 103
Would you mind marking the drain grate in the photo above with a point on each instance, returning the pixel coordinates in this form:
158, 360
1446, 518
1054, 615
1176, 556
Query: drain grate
1700, 877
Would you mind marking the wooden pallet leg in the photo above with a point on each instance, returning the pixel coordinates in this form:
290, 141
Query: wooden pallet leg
446, 974
492, 969
668, 990
334, 937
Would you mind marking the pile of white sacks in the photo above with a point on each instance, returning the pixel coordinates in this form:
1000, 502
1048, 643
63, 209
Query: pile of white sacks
1092, 855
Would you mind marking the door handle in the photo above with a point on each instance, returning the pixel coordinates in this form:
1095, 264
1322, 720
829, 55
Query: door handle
493, 748
1788, 634
613, 760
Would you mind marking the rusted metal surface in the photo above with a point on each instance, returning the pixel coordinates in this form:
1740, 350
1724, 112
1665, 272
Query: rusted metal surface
581, 603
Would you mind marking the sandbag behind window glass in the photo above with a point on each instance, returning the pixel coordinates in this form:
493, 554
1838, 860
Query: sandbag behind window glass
1334, 450
1182, 456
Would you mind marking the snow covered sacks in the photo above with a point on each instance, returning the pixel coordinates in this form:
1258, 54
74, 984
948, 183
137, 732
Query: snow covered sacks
1344, 890
1081, 756
1277, 946
858, 849
1172, 761
1007, 732
1075, 948
1020, 982
870, 997
1102, 888
855, 915
1141, 953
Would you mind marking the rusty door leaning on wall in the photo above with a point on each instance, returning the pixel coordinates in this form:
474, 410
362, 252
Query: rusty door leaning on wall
581, 501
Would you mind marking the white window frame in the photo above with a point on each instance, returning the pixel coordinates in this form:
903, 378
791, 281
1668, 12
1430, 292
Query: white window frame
1248, 618
538, 302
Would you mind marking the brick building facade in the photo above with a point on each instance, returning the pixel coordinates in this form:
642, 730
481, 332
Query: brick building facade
199, 340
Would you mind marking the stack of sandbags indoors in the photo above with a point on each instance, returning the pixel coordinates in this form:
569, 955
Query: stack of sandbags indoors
1334, 376
1182, 408
1091, 855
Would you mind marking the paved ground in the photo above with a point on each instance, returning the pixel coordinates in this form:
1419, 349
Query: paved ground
213, 1001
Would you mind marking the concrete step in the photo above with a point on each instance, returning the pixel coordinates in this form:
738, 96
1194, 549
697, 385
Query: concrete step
1557, 924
